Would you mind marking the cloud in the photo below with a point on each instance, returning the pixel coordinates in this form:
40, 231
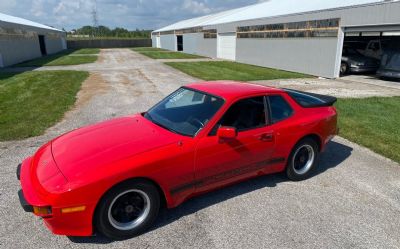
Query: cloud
130, 14
7, 5
196, 7
37, 9
72, 11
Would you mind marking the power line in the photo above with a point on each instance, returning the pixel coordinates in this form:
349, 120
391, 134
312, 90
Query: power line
95, 18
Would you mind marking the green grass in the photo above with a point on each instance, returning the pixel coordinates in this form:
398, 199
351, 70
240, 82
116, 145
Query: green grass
64, 58
87, 51
226, 70
373, 123
141, 49
31, 102
162, 54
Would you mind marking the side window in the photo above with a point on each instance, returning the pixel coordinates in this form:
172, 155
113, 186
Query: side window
244, 115
374, 46
280, 109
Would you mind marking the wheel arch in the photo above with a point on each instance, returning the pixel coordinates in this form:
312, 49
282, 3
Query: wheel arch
163, 196
313, 136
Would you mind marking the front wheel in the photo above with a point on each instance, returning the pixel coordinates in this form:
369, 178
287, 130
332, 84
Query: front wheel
302, 160
127, 210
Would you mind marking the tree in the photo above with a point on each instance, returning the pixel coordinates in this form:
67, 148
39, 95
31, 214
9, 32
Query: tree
104, 31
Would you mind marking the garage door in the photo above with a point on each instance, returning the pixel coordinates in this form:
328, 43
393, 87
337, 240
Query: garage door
372, 29
227, 46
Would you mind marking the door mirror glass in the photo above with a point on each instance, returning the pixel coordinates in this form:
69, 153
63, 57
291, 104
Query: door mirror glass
227, 132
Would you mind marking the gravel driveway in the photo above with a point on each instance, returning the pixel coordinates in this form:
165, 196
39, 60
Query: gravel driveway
353, 201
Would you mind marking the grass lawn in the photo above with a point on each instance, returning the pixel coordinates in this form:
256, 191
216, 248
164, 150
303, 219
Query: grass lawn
87, 51
373, 123
226, 70
31, 102
141, 49
62, 59
162, 54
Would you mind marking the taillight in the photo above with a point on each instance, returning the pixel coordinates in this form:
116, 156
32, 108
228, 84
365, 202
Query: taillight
42, 211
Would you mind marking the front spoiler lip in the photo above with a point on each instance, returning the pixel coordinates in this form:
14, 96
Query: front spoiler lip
25, 205
19, 171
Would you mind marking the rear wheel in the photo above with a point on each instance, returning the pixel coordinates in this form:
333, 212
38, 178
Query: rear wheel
302, 160
127, 210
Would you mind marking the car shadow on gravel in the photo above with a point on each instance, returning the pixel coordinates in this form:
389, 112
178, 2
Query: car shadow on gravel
333, 156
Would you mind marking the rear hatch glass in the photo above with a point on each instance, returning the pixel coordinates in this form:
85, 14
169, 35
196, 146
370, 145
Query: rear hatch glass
310, 100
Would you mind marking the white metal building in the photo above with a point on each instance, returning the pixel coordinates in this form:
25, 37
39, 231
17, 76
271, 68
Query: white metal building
303, 36
22, 40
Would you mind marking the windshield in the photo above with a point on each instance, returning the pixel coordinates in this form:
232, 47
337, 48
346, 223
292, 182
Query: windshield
350, 51
391, 61
185, 111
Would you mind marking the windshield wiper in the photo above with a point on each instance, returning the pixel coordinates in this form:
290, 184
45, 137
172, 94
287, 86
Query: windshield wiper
164, 126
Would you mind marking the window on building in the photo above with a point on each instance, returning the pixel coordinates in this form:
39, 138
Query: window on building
314, 28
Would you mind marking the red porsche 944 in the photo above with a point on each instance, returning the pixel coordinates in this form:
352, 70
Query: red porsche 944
112, 177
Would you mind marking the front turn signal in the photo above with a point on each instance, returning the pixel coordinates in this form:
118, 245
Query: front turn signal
42, 211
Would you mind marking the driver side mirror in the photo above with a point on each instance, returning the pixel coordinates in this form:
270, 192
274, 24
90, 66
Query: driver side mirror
226, 132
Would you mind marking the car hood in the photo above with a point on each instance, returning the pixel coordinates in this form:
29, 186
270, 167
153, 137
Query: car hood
360, 59
87, 149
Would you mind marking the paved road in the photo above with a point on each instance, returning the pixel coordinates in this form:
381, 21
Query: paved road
352, 202
372, 80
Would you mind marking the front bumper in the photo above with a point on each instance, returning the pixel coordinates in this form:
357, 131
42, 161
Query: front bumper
388, 74
72, 224
362, 69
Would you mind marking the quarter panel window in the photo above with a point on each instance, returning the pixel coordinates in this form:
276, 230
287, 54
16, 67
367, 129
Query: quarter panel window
280, 108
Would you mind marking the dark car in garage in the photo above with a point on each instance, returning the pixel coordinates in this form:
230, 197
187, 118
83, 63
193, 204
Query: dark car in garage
354, 62
390, 65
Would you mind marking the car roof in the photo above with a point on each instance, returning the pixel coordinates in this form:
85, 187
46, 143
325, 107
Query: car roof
232, 89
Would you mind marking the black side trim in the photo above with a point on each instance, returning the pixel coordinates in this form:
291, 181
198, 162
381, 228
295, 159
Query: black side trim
226, 175
19, 172
185, 187
25, 205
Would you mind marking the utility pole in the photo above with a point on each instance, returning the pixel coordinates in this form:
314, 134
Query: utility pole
95, 19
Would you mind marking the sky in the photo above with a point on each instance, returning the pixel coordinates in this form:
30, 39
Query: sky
129, 14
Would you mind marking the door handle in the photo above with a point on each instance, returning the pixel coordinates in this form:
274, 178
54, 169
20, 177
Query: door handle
267, 137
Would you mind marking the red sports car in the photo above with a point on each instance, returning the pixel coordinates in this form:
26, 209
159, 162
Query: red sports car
113, 176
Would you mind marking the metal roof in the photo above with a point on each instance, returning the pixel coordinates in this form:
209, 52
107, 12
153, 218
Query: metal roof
21, 21
270, 8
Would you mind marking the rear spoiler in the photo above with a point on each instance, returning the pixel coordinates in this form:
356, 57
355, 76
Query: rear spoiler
310, 100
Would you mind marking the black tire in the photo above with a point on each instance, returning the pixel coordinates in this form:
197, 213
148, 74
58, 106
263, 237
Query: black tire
344, 68
296, 169
119, 204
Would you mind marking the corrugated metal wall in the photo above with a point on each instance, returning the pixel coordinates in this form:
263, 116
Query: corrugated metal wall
190, 43
315, 56
20, 43
168, 42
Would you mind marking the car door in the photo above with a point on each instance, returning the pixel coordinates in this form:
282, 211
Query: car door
219, 162
373, 50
